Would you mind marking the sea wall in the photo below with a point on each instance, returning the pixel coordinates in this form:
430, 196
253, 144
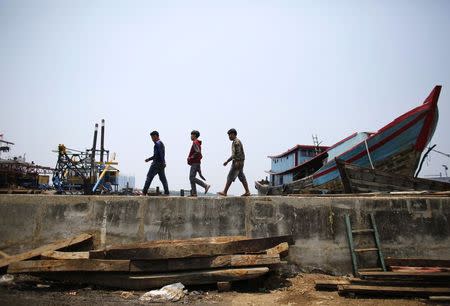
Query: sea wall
409, 226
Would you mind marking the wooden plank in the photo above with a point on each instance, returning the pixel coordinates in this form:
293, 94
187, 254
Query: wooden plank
362, 231
417, 262
64, 255
254, 260
3, 254
139, 281
443, 298
399, 282
200, 263
45, 248
281, 249
329, 284
393, 291
181, 249
418, 269
68, 265
346, 184
370, 269
406, 275
218, 239
366, 250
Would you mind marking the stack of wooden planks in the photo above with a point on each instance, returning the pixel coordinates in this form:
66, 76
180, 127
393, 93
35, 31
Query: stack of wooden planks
155, 264
407, 277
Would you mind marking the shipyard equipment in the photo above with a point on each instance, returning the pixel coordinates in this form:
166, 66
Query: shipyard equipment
86, 171
17, 174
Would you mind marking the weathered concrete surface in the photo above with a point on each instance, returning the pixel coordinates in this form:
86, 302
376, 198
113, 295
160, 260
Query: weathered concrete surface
416, 226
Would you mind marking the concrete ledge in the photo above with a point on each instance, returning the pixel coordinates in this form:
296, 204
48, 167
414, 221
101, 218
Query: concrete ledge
415, 226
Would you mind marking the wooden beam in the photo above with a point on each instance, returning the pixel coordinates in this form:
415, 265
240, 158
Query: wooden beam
398, 282
330, 284
417, 262
407, 275
175, 249
68, 265
144, 282
346, 184
64, 255
444, 298
200, 263
281, 249
45, 248
393, 291
3, 254
419, 269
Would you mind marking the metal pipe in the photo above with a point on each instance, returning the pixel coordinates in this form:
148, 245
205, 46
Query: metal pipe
94, 148
103, 173
102, 141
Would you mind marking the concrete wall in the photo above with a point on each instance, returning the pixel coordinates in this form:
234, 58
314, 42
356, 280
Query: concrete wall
409, 226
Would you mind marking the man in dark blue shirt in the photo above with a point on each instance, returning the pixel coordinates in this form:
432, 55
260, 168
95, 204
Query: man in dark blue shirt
158, 165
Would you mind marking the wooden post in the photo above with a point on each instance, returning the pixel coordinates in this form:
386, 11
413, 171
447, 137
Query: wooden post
345, 179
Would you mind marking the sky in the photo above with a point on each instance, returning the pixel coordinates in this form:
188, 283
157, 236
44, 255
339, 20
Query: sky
277, 71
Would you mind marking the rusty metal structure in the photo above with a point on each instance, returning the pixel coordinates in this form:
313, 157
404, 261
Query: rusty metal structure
16, 173
78, 172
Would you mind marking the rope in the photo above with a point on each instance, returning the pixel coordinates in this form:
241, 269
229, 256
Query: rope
368, 154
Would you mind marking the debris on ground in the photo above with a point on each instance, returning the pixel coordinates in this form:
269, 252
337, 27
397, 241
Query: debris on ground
169, 293
126, 294
6, 280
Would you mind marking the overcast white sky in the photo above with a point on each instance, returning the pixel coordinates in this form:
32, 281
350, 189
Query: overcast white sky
277, 71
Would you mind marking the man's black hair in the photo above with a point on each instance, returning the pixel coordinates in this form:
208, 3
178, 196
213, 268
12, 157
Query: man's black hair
196, 133
232, 131
154, 133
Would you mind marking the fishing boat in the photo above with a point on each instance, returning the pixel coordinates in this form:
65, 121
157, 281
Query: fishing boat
395, 148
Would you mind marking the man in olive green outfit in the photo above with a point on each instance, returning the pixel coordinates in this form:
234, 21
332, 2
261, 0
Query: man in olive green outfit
237, 165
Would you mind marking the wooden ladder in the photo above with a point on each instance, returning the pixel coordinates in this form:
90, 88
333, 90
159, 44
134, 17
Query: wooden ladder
354, 251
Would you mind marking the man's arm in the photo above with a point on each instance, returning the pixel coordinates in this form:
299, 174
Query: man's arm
149, 159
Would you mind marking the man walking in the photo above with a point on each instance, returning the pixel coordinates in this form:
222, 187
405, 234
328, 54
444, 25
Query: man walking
237, 166
194, 160
158, 165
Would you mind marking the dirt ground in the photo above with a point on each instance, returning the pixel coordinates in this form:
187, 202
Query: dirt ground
298, 290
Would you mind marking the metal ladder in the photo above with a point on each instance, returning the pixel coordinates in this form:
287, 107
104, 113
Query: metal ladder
354, 251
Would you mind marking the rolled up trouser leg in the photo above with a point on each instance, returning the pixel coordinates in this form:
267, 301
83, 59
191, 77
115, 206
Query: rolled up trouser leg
236, 170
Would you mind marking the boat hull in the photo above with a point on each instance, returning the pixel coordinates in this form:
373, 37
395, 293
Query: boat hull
357, 179
396, 148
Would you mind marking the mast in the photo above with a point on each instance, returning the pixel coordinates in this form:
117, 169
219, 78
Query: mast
102, 140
